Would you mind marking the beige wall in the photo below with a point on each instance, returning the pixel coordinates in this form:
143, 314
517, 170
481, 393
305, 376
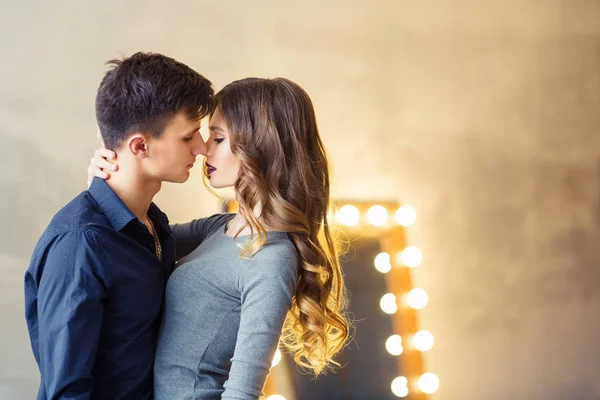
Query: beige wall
483, 115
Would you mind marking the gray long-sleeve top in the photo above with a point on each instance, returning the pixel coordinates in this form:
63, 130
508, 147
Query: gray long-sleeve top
223, 314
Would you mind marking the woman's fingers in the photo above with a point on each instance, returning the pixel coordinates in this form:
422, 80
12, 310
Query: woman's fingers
105, 153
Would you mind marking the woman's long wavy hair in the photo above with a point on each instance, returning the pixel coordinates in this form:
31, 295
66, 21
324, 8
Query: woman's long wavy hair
284, 172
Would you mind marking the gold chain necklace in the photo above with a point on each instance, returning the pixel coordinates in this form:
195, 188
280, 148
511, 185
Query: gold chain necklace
156, 240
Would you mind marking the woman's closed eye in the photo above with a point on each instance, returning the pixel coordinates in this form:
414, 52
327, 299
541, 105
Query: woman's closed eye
219, 140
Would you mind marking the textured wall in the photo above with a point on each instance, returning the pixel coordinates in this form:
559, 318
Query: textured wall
483, 115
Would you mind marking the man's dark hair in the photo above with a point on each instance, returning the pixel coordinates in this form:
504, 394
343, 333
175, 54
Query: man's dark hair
143, 92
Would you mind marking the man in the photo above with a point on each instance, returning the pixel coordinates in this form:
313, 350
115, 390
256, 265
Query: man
94, 288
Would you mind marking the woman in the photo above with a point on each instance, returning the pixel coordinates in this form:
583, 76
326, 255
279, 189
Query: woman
269, 273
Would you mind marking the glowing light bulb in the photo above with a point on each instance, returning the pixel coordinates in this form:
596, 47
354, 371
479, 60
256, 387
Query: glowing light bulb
400, 386
383, 263
406, 216
348, 215
388, 303
394, 345
428, 383
276, 358
423, 341
377, 215
417, 298
411, 257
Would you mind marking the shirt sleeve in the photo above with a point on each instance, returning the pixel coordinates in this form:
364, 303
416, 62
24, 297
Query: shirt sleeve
70, 310
268, 286
188, 236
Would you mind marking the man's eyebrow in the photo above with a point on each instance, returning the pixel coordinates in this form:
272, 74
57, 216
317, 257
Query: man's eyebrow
192, 131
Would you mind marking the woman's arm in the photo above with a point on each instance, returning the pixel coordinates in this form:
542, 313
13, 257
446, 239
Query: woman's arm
268, 284
188, 236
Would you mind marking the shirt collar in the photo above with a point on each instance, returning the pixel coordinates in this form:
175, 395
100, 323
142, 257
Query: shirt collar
115, 210
113, 207
158, 215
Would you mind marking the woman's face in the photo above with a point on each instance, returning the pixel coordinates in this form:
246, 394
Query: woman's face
221, 165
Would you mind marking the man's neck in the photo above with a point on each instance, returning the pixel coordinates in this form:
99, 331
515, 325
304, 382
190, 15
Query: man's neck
135, 191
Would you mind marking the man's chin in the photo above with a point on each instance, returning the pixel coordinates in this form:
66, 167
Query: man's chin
179, 179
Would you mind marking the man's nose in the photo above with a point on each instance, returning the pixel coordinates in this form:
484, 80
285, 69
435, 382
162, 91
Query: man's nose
200, 148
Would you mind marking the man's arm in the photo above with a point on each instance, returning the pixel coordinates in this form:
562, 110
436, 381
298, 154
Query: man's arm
70, 310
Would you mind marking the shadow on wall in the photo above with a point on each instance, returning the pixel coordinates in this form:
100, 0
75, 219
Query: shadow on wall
34, 188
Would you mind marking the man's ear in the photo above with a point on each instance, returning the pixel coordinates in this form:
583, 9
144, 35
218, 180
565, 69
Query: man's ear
138, 146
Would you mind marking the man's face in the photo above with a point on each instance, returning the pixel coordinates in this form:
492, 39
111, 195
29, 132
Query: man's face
174, 153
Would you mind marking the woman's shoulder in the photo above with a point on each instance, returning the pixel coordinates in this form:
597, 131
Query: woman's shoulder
216, 221
274, 267
278, 244
277, 253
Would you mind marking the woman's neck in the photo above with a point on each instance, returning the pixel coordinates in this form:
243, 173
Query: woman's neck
238, 221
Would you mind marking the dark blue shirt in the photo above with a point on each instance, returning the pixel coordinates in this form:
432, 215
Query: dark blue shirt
93, 299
